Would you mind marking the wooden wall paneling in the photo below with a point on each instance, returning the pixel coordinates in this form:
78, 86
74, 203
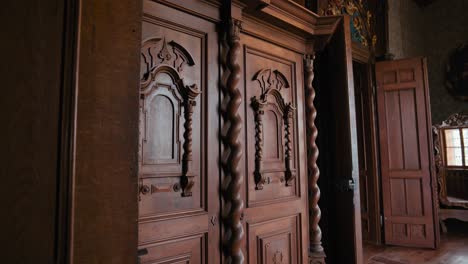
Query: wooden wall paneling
275, 44
270, 89
33, 78
106, 162
179, 176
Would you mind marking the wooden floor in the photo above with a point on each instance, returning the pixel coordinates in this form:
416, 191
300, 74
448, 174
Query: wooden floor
453, 250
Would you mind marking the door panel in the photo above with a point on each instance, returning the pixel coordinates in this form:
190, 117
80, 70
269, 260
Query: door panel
178, 209
404, 122
276, 209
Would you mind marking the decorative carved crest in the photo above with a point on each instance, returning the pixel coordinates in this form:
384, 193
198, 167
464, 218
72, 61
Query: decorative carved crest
159, 59
154, 54
271, 83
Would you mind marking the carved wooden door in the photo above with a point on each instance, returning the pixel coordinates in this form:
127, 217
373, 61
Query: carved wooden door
276, 213
179, 126
407, 181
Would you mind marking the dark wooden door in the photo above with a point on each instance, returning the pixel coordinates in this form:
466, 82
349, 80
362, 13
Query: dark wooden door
276, 212
179, 148
404, 128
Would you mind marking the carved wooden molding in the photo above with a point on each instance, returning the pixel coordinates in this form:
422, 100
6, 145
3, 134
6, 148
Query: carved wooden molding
162, 60
458, 119
271, 83
316, 249
455, 120
233, 203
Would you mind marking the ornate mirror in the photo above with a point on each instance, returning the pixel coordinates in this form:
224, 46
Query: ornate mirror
451, 160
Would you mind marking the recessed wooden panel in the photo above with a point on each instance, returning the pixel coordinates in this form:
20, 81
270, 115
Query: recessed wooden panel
406, 75
272, 78
400, 231
171, 118
272, 136
276, 210
394, 138
161, 110
398, 197
185, 250
401, 112
418, 231
409, 126
274, 241
179, 137
414, 199
390, 77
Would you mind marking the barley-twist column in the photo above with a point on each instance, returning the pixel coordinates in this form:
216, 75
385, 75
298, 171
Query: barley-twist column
233, 203
317, 254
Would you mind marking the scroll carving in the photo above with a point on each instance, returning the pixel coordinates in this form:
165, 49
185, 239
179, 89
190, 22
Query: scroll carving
316, 249
233, 203
271, 83
159, 59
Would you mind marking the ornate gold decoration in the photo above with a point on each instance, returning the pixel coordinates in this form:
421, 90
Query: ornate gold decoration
363, 19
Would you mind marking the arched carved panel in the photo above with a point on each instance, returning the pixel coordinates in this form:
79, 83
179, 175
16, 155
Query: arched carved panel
161, 146
273, 136
164, 99
271, 100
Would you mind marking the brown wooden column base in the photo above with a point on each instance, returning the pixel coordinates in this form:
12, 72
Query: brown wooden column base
317, 257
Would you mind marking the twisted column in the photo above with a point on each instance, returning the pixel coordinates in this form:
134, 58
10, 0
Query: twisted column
288, 115
233, 203
317, 254
186, 183
258, 107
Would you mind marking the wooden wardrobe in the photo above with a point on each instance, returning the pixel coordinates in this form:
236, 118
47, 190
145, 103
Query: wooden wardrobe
227, 145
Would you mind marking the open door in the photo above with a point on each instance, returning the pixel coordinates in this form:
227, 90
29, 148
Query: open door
338, 159
406, 162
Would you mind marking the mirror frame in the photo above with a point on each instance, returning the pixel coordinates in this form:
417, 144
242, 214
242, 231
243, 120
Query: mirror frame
458, 120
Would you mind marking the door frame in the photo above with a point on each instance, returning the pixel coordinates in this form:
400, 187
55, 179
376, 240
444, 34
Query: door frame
99, 107
362, 55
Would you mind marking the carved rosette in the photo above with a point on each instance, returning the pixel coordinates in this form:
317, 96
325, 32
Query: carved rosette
317, 254
158, 60
233, 203
271, 83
